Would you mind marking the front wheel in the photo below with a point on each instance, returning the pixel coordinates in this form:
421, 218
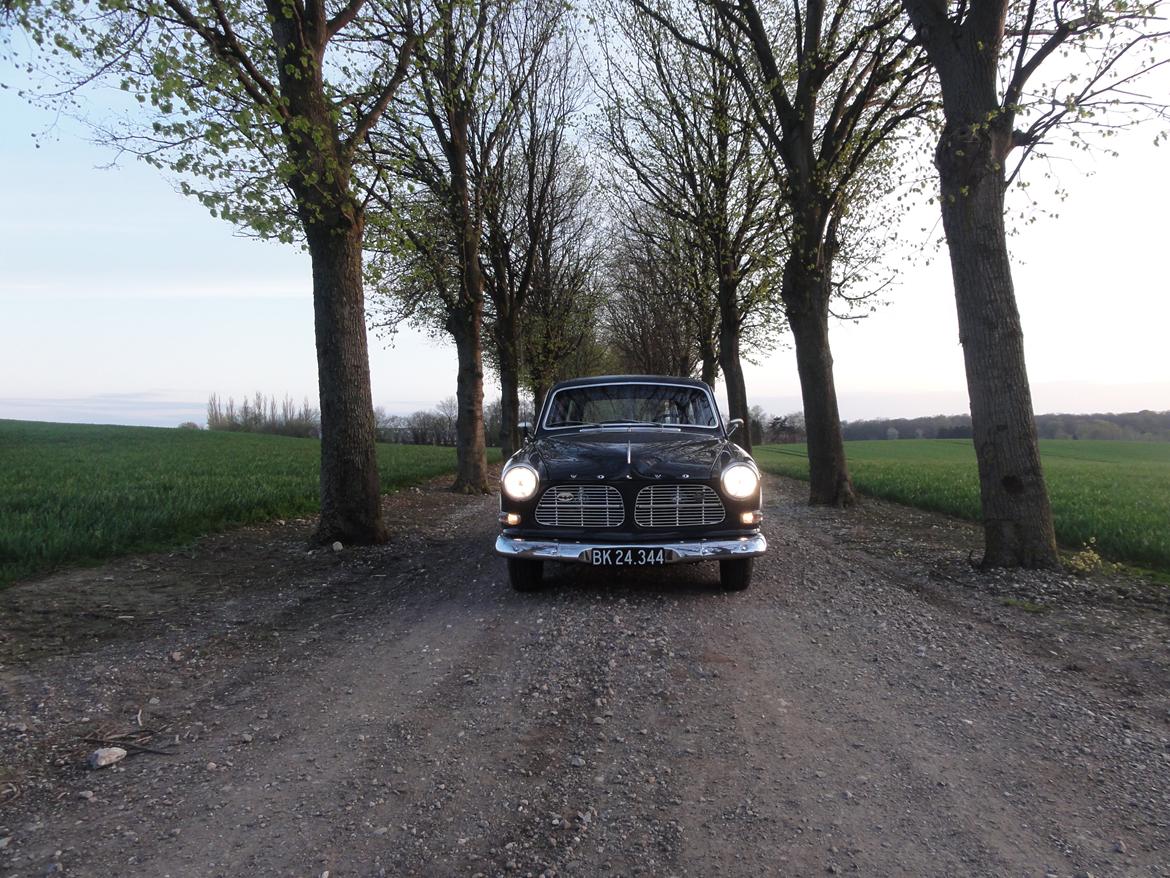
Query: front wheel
525, 574
735, 575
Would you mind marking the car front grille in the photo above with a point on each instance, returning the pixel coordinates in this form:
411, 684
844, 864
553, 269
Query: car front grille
677, 506
581, 506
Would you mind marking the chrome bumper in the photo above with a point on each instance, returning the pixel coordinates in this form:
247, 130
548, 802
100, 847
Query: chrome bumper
683, 550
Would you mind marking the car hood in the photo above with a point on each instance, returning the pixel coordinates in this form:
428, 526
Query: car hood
631, 454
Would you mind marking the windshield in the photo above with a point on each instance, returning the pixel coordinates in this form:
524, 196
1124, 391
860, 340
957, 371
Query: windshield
630, 404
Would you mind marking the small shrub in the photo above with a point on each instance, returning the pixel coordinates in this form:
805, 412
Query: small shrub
1085, 561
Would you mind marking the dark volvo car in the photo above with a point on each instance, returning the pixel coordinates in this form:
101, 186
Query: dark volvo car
626, 471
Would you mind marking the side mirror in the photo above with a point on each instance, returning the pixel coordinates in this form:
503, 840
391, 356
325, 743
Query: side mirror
525, 430
733, 425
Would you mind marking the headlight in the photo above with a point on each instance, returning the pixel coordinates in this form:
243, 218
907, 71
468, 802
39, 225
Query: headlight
739, 480
520, 482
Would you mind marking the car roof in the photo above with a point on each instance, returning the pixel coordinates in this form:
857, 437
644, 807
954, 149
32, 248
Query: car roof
628, 379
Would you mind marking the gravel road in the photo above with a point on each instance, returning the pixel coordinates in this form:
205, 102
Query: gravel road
870, 705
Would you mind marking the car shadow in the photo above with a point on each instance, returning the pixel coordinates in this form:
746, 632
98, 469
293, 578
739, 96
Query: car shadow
673, 580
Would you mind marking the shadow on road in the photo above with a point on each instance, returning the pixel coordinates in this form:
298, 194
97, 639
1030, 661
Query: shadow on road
683, 581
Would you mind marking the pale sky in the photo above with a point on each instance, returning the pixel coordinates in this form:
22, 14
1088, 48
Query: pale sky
124, 302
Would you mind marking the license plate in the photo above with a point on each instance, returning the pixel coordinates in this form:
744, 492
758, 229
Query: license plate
628, 557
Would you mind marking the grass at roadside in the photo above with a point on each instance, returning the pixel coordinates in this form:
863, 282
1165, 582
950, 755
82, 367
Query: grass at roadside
77, 493
1113, 495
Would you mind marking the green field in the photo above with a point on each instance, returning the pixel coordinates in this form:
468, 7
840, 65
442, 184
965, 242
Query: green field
1116, 493
75, 493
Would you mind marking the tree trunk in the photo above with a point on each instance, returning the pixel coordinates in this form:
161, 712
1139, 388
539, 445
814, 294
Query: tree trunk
806, 300
351, 510
737, 402
508, 346
509, 410
470, 445
710, 363
1017, 518
465, 318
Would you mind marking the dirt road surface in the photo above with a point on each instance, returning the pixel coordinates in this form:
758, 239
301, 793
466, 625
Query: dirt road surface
870, 705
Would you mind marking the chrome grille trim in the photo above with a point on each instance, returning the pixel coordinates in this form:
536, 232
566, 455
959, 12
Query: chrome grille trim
581, 506
677, 506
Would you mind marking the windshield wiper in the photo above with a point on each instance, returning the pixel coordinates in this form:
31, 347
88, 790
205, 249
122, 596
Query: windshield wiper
658, 425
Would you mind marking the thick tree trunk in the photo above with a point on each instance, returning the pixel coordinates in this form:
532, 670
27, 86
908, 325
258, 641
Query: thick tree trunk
806, 306
470, 445
709, 362
509, 410
508, 346
1017, 519
729, 362
351, 510
465, 319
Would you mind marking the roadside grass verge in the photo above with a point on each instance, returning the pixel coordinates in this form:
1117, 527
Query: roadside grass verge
79, 494
1113, 496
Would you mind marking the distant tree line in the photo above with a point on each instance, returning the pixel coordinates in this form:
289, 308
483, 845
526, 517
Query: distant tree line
1149, 426
264, 414
437, 426
762, 427
933, 427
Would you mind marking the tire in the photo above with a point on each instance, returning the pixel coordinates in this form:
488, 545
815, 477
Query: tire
524, 574
735, 575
